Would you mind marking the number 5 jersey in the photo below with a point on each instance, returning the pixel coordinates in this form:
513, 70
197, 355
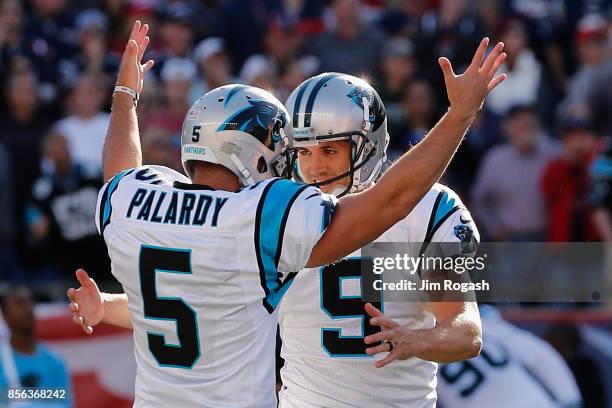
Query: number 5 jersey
204, 271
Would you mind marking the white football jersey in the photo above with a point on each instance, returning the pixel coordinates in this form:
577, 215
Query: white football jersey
515, 369
322, 323
204, 271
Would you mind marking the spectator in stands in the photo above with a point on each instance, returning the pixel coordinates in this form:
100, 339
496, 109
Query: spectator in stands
522, 68
50, 37
213, 67
176, 75
11, 32
85, 128
122, 14
451, 28
244, 25
151, 101
294, 73
61, 214
281, 42
419, 116
26, 362
21, 131
7, 222
350, 46
565, 184
506, 198
398, 67
591, 46
94, 56
591, 83
258, 71
158, 149
601, 193
176, 33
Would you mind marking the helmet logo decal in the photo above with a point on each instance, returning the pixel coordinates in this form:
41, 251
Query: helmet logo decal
258, 119
234, 91
377, 111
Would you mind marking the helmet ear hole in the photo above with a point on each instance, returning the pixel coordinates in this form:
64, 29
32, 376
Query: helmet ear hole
262, 166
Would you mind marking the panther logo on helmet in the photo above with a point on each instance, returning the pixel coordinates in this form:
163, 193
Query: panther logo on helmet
377, 110
258, 119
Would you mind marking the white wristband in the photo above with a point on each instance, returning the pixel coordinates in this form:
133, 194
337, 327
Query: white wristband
129, 91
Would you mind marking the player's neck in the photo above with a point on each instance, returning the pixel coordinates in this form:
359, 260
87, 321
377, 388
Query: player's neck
215, 176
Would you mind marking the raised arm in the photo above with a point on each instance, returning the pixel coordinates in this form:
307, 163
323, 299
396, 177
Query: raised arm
361, 218
122, 144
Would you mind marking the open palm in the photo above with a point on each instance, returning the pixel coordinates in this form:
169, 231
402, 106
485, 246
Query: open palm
132, 71
86, 302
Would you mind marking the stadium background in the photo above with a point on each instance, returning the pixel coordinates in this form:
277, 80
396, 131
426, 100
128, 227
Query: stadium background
534, 167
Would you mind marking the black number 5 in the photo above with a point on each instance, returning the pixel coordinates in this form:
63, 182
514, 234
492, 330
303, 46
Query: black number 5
166, 260
195, 133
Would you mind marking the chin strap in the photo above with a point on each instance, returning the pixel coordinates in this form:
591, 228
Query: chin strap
366, 115
350, 172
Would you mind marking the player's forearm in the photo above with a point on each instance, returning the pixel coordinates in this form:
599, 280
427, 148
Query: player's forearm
405, 183
453, 339
116, 311
122, 145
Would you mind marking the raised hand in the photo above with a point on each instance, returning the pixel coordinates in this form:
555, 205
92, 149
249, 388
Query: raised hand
400, 342
132, 70
85, 302
466, 92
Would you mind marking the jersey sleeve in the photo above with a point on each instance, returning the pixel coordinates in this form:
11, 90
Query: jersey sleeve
458, 234
290, 220
452, 226
127, 179
307, 221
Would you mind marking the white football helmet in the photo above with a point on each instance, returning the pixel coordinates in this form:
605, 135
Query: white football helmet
334, 106
239, 127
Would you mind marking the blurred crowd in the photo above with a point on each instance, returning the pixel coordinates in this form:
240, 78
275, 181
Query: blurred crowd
536, 165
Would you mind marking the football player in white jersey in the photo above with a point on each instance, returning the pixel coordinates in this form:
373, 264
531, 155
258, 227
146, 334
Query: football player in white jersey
205, 260
322, 317
515, 364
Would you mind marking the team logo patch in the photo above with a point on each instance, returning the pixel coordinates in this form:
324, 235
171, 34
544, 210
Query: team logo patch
466, 237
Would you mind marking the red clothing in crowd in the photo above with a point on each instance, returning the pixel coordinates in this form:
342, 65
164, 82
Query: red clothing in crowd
566, 188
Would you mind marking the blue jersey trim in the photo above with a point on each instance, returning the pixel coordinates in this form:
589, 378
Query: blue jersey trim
270, 221
105, 204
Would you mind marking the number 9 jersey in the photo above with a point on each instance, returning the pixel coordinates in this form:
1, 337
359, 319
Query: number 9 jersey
323, 322
204, 271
